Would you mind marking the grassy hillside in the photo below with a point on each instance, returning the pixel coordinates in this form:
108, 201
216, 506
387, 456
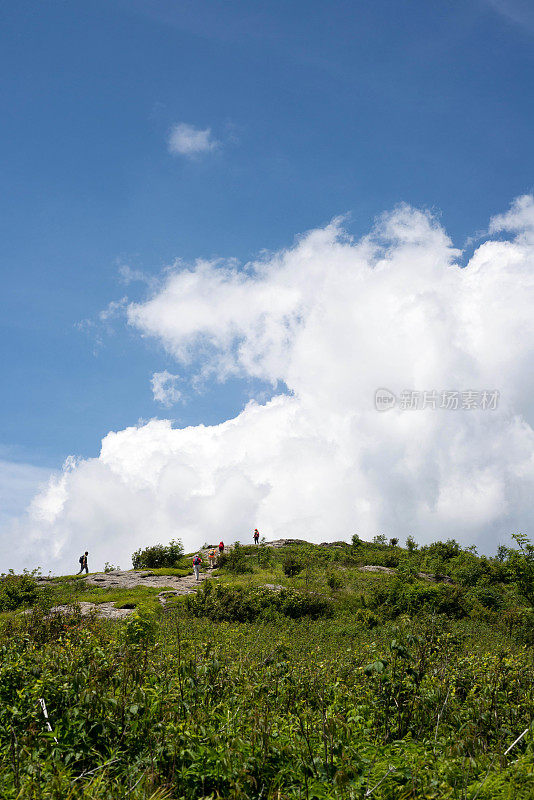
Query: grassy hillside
292, 673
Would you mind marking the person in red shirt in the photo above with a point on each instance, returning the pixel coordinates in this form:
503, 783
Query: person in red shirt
197, 561
256, 536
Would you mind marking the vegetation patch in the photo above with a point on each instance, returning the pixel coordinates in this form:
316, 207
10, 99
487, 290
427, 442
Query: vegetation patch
17, 591
241, 604
158, 555
339, 685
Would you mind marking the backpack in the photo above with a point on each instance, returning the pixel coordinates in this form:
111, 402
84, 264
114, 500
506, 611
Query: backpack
81, 559
197, 560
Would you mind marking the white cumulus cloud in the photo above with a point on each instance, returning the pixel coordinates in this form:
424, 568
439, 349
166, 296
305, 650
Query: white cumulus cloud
186, 140
165, 389
327, 321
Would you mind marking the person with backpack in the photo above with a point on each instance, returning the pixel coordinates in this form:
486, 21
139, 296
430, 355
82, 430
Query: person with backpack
256, 536
221, 548
197, 561
211, 556
83, 563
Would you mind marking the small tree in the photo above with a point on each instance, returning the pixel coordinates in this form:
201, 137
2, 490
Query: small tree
521, 565
411, 544
393, 542
356, 542
380, 539
158, 555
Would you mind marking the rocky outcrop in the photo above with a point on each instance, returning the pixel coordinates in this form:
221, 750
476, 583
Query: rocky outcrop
132, 578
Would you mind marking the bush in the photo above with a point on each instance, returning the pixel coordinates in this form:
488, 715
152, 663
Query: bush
17, 591
292, 566
410, 598
235, 560
334, 582
521, 566
391, 559
158, 555
296, 604
239, 604
140, 627
367, 619
265, 556
489, 597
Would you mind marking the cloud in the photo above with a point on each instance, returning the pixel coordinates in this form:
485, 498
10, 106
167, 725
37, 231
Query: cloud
19, 484
326, 321
519, 11
128, 275
518, 219
164, 388
186, 140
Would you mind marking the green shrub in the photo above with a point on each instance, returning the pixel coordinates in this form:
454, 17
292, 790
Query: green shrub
367, 619
391, 559
140, 627
521, 566
292, 566
17, 591
489, 597
334, 582
356, 542
409, 598
158, 555
298, 604
264, 556
239, 604
235, 560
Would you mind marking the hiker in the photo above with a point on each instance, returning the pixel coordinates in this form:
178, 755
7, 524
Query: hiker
256, 536
83, 563
211, 556
197, 561
221, 548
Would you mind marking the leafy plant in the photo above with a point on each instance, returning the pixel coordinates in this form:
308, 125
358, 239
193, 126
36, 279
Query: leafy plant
395, 688
239, 604
158, 555
521, 566
334, 582
140, 627
235, 560
17, 591
292, 565
264, 556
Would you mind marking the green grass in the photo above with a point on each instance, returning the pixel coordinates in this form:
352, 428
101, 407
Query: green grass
169, 705
178, 572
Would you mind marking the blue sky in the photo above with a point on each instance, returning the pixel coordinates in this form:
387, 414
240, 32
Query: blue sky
314, 109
